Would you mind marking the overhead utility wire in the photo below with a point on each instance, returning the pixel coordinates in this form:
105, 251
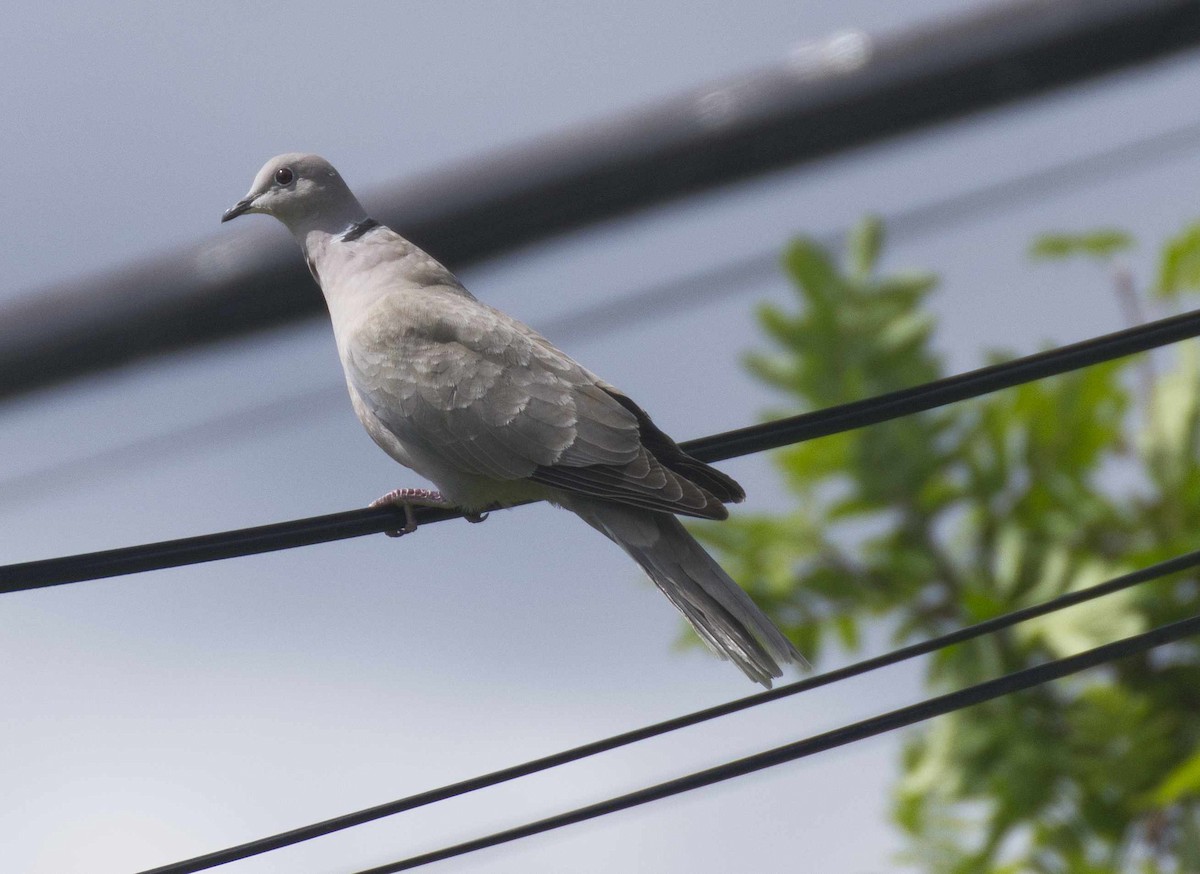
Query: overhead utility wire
735, 277
846, 91
555, 760
979, 693
755, 438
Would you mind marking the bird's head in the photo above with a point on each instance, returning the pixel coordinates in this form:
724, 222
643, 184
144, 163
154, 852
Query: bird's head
302, 191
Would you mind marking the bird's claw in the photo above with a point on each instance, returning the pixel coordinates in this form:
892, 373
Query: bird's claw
407, 499
410, 498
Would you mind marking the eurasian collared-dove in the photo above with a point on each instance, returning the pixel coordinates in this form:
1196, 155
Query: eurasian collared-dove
493, 414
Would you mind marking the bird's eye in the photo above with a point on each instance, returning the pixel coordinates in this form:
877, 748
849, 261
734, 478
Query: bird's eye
284, 175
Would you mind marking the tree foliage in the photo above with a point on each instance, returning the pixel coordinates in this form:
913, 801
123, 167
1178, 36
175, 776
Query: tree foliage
953, 516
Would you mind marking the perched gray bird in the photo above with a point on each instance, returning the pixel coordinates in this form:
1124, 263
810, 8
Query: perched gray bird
493, 414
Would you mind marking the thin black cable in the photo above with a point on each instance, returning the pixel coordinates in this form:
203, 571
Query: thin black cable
735, 277
940, 705
504, 775
220, 429
949, 390
905, 225
755, 438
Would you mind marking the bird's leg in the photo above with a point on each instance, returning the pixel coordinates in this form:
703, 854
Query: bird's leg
409, 498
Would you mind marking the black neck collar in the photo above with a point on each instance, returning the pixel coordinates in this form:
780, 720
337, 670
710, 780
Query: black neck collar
357, 229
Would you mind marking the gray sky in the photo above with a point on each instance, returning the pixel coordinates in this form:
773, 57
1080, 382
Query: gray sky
158, 716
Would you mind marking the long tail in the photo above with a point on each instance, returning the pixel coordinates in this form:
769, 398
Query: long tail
722, 614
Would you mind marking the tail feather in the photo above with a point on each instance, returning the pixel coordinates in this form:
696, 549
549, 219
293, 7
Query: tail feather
721, 613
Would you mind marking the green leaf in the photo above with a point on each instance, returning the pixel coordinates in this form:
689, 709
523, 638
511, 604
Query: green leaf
1182, 782
847, 630
865, 244
1169, 440
813, 270
1101, 244
1179, 265
1089, 624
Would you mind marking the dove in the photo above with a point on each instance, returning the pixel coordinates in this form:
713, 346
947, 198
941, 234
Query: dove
493, 414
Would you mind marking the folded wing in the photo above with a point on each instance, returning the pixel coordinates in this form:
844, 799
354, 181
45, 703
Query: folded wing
458, 379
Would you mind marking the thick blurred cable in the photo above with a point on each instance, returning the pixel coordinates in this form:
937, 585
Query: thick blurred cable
846, 91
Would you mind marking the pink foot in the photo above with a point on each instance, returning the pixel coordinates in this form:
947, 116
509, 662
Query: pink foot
409, 498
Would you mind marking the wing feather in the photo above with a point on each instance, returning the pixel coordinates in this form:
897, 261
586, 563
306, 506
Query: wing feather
468, 384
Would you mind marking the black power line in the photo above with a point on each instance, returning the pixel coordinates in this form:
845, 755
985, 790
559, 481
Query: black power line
838, 96
865, 666
940, 705
951, 389
755, 438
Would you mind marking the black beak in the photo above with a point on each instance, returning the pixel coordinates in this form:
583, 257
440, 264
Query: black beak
237, 209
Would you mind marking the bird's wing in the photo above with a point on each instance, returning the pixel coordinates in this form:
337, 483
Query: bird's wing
488, 396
